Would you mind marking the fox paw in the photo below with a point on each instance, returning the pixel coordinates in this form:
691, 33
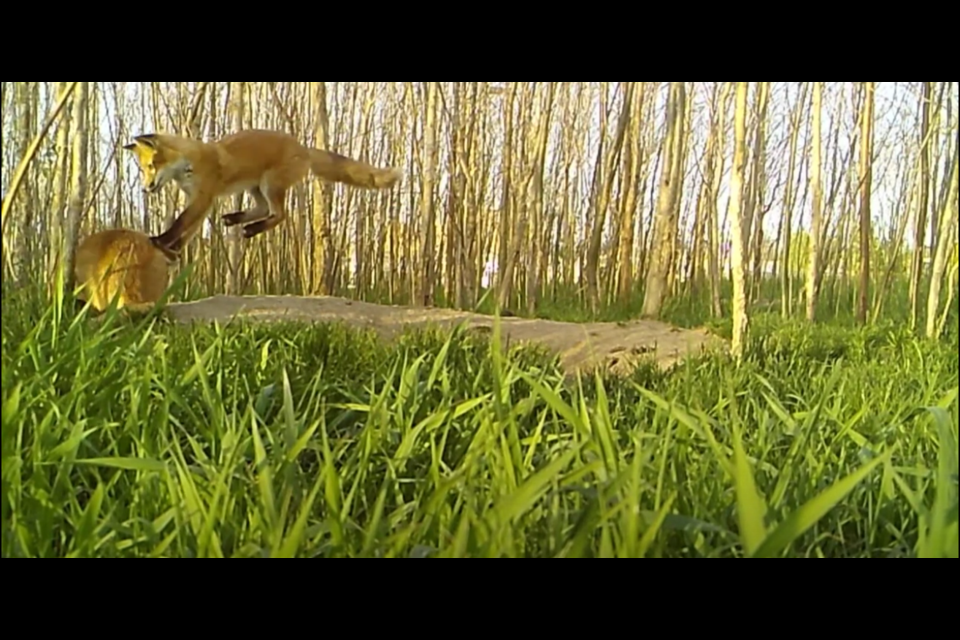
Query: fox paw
172, 253
231, 219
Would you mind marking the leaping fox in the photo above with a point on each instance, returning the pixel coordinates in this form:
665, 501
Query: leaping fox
263, 163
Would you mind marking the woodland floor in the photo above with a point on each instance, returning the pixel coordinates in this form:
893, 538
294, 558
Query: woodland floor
615, 346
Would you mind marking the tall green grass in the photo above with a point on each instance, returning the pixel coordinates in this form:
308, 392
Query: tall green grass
148, 439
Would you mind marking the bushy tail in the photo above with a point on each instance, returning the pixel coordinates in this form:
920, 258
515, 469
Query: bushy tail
334, 167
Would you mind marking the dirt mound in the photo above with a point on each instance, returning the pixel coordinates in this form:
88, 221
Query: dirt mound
616, 346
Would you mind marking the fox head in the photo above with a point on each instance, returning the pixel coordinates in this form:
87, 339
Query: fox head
159, 164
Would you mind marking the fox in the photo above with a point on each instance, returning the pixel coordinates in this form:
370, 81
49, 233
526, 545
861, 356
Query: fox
261, 162
123, 263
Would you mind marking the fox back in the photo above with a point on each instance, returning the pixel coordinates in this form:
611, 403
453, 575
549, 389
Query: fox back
122, 263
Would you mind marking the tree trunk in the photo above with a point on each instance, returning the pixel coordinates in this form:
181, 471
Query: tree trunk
428, 213
716, 176
786, 295
603, 188
665, 225
740, 317
944, 239
628, 209
61, 173
755, 198
79, 179
866, 191
235, 234
816, 186
536, 184
916, 274
322, 199
506, 262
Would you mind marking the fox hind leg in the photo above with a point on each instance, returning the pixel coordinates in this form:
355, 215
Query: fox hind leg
278, 214
260, 210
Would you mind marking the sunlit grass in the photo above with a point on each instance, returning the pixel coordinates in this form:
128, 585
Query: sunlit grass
143, 438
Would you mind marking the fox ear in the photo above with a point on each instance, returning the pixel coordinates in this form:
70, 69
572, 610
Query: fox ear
146, 140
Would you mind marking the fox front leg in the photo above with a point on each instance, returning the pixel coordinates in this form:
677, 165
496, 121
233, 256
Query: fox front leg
184, 227
169, 245
172, 255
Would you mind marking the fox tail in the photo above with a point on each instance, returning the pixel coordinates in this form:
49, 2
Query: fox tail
334, 167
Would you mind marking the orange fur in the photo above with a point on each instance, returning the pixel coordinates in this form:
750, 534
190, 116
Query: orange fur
124, 263
264, 163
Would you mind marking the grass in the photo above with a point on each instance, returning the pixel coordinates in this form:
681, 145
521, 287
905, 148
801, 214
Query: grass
148, 439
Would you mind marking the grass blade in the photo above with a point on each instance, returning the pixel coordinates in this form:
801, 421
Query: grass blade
801, 520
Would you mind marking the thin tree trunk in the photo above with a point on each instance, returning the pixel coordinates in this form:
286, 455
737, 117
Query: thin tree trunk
756, 209
601, 199
716, 176
628, 209
58, 204
322, 199
79, 182
506, 262
866, 191
919, 254
813, 273
426, 198
536, 199
740, 317
786, 308
453, 221
947, 221
666, 223
235, 234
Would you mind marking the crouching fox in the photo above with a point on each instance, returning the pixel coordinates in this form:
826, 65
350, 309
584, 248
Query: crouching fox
123, 263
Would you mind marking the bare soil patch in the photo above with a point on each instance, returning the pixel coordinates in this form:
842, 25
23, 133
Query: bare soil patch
615, 346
